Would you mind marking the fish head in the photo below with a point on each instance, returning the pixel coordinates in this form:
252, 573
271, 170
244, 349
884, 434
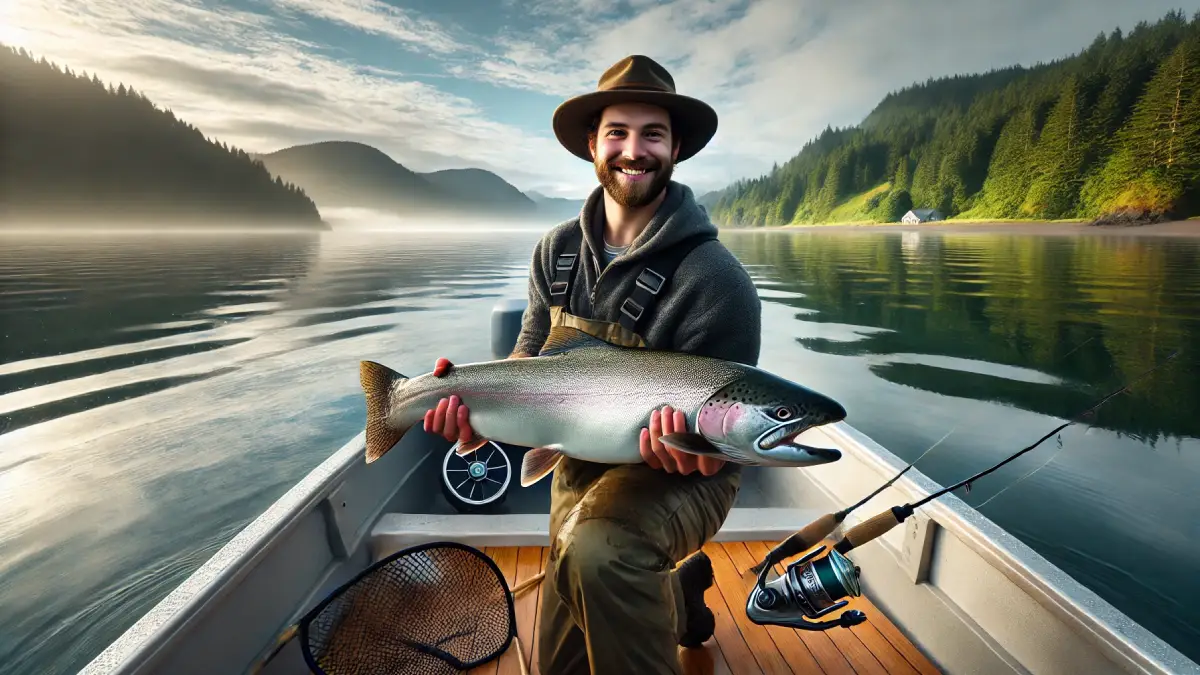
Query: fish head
756, 418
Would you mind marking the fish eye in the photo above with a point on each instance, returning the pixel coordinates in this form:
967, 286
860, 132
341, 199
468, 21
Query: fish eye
783, 413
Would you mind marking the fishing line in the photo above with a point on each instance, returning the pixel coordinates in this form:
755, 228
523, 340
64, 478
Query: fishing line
881, 523
1044, 464
822, 527
1015, 482
1073, 420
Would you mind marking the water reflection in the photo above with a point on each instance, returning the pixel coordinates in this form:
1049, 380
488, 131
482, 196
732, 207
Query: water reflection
157, 393
1089, 313
995, 340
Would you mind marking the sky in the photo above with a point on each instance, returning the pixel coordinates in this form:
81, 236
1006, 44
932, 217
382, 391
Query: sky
440, 84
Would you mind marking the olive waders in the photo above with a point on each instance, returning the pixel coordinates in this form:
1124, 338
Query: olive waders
611, 600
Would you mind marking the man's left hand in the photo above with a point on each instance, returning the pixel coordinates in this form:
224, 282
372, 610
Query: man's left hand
659, 456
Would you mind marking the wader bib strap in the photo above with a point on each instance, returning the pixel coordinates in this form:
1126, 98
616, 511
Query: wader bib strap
564, 270
637, 308
653, 281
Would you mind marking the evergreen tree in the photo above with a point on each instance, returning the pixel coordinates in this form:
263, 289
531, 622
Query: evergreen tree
1057, 158
75, 147
1113, 127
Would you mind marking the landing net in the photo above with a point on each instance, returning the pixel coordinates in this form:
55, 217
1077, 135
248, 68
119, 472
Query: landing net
441, 607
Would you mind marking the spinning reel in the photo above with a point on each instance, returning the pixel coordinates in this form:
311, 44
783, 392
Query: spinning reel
811, 588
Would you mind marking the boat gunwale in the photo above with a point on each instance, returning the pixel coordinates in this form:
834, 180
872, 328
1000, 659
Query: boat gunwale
217, 576
1103, 624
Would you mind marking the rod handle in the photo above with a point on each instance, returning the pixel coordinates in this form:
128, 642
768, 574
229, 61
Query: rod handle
811, 535
872, 528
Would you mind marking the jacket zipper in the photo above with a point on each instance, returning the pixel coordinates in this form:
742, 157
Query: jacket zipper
595, 286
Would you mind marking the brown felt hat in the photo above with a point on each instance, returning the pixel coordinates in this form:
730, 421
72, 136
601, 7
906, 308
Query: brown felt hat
636, 79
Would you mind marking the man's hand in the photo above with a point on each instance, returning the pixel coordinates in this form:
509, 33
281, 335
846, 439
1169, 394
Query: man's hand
658, 456
450, 419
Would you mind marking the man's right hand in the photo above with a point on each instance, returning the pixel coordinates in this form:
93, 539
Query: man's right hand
451, 418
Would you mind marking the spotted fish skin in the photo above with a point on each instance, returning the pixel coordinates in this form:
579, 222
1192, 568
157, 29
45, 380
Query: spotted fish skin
588, 399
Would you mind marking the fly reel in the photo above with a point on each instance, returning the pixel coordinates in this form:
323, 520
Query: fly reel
811, 587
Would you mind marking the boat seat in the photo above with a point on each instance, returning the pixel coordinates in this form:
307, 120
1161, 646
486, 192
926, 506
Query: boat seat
394, 532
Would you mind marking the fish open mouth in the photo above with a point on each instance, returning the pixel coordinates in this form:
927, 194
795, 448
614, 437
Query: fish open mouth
786, 433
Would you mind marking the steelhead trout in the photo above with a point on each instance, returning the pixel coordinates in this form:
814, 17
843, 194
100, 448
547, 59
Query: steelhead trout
589, 399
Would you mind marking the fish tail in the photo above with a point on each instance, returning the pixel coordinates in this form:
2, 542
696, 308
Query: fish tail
378, 383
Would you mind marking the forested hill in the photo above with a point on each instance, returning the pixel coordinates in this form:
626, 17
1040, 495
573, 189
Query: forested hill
77, 150
1112, 129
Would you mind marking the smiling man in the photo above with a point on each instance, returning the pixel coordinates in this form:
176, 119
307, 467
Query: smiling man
641, 267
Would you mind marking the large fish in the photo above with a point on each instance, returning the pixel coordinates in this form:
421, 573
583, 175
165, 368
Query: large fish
589, 399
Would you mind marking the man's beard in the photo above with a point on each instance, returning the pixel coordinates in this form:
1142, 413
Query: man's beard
634, 194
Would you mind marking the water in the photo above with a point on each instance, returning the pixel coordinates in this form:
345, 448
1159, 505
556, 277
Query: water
160, 391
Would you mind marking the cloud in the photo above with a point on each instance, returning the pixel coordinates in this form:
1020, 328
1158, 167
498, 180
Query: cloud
373, 16
227, 85
777, 71
245, 79
780, 71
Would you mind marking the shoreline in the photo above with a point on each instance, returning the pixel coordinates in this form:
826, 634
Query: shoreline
1174, 228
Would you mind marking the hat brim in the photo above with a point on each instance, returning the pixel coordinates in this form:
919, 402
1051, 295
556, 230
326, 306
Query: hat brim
694, 120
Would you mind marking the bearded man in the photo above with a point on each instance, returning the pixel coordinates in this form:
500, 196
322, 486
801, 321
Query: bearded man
641, 266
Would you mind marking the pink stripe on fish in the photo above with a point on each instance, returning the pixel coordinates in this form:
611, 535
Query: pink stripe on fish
714, 417
731, 418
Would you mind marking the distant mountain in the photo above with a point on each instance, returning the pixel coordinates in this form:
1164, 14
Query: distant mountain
483, 189
709, 199
344, 173
77, 151
351, 174
556, 208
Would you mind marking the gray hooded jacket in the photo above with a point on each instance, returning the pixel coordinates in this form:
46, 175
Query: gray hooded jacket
711, 307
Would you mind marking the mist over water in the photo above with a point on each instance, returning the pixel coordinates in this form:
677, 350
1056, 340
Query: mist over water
157, 392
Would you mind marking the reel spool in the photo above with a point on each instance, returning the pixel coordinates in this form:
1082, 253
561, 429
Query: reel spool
811, 587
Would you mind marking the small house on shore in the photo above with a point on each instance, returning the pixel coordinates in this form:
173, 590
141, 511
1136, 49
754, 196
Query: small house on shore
921, 216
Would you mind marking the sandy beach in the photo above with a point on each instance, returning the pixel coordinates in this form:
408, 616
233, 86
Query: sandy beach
1176, 228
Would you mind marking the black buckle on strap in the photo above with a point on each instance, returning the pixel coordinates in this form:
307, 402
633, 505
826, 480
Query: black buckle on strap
558, 288
651, 281
566, 261
631, 313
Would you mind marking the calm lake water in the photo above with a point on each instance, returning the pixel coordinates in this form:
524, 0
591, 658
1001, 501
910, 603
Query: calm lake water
158, 392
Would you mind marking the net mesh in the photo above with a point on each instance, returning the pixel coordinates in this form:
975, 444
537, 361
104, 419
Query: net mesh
435, 608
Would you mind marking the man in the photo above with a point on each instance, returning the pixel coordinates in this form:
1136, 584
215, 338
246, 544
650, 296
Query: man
614, 599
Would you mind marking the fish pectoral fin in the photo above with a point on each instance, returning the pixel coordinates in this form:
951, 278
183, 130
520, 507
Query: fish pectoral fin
566, 338
470, 446
538, 464
694, 444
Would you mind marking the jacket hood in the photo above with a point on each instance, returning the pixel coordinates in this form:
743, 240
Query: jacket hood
678, 216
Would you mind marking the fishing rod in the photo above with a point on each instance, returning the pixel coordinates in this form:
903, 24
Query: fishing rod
811, 588
821, 528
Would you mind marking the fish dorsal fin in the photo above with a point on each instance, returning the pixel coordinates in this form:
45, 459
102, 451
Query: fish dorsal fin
566, 338
538, 464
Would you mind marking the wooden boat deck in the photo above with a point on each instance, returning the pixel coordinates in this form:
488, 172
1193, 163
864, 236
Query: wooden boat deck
738, 646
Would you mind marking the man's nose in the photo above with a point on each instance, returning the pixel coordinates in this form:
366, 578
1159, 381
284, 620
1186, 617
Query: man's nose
635, 148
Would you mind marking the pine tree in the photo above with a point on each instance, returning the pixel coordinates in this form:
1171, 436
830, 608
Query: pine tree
1057, 158
1156, 148
1076, 137
1008, 175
